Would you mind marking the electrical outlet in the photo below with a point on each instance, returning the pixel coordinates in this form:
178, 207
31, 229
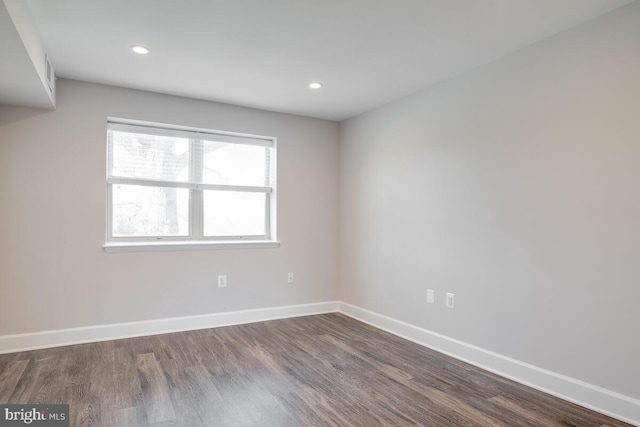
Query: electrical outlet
430, 296
222, 281
450, 300
290, 278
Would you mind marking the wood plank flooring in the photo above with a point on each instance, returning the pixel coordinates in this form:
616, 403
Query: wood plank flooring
325, 370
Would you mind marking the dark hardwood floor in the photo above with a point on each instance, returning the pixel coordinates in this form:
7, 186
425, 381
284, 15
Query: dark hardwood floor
307, 371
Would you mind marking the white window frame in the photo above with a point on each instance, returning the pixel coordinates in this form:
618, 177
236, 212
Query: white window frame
196, 239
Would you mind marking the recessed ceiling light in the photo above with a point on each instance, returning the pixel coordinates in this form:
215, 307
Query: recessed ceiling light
315, 85
139, 49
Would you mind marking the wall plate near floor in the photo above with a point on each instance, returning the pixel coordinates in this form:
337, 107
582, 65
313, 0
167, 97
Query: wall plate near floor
450, 300
222, 281
431, 296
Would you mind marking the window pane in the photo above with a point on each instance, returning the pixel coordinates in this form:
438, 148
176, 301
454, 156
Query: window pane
234, 164
137, 155
140, 211
231, 213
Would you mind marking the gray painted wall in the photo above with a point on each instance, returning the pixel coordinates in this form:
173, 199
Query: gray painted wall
516, 187
53, 272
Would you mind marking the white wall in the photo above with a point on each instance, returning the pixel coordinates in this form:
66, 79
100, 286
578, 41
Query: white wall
517, 187
53, 272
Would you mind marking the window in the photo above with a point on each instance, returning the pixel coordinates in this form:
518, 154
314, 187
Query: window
172, 184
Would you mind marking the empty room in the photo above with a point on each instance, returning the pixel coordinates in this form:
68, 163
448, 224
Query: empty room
304, 213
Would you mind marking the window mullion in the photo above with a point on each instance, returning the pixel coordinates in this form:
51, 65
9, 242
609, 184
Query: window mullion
195, 208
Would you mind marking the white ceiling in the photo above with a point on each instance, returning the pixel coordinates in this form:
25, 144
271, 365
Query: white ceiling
263, 53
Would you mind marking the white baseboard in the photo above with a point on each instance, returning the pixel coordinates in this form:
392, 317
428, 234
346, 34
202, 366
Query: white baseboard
599, 399
605, 401
62, 337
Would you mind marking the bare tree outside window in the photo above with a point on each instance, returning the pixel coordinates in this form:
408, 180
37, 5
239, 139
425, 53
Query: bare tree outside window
147, 210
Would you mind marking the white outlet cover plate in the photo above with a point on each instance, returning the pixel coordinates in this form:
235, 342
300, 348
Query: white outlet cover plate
450, 301
222, 281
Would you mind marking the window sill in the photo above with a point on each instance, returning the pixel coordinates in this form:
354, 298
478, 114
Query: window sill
187, 246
